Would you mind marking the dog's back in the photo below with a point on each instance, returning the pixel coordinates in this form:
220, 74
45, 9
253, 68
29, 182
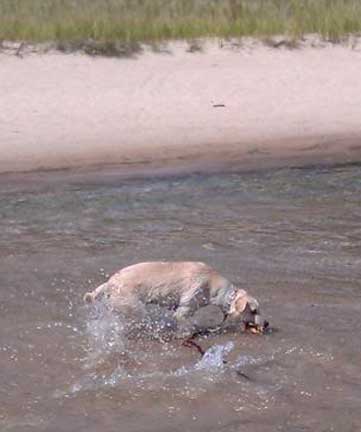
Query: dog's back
161, 282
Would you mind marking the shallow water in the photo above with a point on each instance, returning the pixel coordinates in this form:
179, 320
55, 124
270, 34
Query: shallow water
292, 237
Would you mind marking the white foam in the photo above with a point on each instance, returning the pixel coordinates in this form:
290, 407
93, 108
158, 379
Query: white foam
214, 356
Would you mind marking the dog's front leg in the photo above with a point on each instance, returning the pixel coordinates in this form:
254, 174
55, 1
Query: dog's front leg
185, 326
183, 312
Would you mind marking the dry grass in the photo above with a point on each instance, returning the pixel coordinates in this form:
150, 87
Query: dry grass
108, 22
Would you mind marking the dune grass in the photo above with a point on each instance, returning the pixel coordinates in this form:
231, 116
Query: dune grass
132, 21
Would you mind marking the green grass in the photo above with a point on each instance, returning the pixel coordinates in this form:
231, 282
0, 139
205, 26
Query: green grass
134, 21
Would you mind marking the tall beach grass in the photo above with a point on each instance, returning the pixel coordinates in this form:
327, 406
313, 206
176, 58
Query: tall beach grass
130, 21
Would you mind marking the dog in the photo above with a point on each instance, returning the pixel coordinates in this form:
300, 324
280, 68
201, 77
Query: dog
185, 288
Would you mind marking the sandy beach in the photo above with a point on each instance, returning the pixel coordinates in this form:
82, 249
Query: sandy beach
244, 106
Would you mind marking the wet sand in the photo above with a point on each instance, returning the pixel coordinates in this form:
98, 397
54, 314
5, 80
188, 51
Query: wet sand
249, 107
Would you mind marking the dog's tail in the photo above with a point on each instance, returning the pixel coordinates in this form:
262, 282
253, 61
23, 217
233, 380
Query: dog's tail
90, 297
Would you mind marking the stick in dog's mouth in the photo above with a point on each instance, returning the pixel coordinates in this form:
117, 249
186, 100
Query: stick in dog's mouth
257, 328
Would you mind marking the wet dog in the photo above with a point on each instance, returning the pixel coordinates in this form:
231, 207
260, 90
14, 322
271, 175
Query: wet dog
185, 288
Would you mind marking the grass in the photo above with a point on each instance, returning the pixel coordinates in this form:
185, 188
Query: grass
129, 22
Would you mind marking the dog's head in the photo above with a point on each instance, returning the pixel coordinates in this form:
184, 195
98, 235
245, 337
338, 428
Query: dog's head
246, 309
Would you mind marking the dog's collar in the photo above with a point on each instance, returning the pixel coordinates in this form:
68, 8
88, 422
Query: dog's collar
231, 295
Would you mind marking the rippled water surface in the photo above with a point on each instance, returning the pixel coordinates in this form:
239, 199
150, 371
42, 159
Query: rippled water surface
291, 237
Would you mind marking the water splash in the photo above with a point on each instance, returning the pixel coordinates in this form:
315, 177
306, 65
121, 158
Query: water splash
105, 333
211, 362
214, 356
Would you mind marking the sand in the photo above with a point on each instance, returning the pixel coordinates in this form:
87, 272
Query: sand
244, 106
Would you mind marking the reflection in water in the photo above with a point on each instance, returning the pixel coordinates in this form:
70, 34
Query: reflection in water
290, 237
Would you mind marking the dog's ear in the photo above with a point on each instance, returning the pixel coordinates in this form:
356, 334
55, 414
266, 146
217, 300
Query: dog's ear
241, 302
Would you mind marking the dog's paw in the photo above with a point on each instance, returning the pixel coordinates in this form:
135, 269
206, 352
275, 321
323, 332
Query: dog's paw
184, 330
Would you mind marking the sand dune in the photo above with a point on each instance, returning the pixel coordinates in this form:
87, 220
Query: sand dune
246, 106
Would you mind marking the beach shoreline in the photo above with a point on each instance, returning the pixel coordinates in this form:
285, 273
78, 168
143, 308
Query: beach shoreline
242, 108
